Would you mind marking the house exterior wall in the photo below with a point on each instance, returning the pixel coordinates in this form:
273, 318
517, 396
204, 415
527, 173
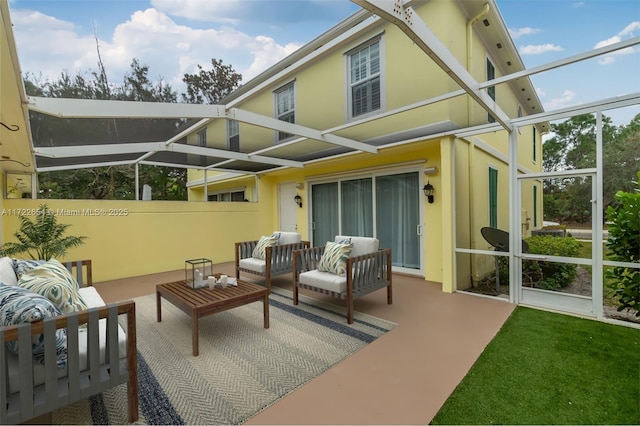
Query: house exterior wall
158, 236
321, 95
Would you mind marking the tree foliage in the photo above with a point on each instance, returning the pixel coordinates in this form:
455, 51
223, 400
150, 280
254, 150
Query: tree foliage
572, 147
118, 182
624, 246
209, 87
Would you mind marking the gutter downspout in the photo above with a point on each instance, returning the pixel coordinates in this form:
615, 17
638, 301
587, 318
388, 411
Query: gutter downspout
472, 145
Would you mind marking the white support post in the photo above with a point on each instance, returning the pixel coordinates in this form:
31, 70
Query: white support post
515, 229
137, 182
206, 192
597, 291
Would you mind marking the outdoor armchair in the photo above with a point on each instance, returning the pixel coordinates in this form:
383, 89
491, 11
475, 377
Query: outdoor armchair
347, 268
269, 256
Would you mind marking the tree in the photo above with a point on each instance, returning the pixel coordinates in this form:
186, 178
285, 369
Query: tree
209, 87
573, 146
113, 182
42, 238
624, 245
117, 182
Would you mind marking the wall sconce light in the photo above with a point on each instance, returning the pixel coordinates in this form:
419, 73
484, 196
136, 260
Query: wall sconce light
428, 191
298, 200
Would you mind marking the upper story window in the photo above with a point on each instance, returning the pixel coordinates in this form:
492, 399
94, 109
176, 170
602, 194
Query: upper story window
285, 108
491, 90
202, 137
233, 135
202, 141
365, 79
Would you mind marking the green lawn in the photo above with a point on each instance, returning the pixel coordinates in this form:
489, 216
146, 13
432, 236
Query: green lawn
547, 368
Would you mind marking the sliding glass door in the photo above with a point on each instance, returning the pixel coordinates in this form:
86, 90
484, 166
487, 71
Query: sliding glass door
398, 217
324, 212
385, 206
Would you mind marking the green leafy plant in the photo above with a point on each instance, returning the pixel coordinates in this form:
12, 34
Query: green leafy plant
42, 238
624, 246
551, 275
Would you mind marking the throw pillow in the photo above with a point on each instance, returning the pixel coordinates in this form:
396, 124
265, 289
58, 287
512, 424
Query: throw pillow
263, 243
55, 282
25, 265
17, 306
334, 258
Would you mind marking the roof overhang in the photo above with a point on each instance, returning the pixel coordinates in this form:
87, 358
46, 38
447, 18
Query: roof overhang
15, 134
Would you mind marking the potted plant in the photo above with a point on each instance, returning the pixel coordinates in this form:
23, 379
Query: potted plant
42, 238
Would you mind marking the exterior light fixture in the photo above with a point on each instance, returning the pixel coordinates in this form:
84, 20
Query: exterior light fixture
298, 200
428, 191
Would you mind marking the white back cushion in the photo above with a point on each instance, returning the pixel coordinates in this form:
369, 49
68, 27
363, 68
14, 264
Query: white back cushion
361, 245
288, 237
7, 273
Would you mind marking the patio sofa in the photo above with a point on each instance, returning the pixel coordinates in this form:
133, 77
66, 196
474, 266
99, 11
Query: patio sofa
347, 268
54, 356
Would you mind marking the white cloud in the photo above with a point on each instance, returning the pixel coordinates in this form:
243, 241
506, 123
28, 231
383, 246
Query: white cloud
45, 40
47, 45
626, 32
525, 31
566, 99
577, 5
541, 92
538, 49
630, 29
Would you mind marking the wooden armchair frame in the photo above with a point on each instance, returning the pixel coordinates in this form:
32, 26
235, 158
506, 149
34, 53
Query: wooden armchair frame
365, 274
30, 401
278, 259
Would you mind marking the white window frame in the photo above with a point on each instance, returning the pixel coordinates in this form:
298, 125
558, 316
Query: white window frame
226, 195
202, 137
233, 130
379, 39
488, 61
284, 91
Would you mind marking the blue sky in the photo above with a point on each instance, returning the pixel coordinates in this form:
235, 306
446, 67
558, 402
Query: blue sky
173, 36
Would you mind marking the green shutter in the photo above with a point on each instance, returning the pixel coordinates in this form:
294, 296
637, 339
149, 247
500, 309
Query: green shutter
535, 206
493, 197
535, 152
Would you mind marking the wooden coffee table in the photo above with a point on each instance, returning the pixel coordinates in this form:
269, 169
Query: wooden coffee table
202, 302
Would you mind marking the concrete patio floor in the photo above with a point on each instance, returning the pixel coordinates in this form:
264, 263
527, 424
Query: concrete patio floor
403, 377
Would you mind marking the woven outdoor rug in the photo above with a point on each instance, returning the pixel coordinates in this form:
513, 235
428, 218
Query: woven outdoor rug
242, 367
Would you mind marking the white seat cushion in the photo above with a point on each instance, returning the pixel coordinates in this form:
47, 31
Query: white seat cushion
324, 280
253, 264
361, 245
288, 237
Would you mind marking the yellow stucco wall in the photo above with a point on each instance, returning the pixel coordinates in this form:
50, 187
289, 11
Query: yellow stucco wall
132, 238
